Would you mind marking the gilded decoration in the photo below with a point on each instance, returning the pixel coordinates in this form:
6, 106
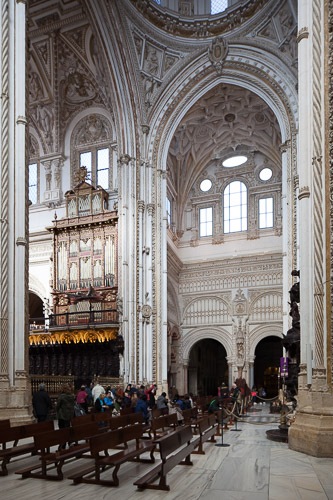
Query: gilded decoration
73, 337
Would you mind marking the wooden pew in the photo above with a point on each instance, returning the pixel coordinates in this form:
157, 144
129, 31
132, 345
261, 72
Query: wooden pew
175, 449
82, 419
162, 425
113, 439
206, 427
14, 435
5, 424
51, 462
125, 420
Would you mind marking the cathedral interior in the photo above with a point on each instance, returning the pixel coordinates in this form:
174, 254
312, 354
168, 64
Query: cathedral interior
178, 183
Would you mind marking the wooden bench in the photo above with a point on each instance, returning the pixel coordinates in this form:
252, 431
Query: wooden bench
51, 462
5, 424
112, 440
175, 449
206, 427
125, 420
13, 436
162, 425
82, 419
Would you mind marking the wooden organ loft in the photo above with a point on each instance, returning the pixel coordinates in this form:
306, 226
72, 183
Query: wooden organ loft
82, 338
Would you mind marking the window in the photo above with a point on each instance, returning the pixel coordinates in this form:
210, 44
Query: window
265, 213
206, 221
168, 211
205, 185
93, 146
97, 163
265, 174
33, 183
235, 207
217, 6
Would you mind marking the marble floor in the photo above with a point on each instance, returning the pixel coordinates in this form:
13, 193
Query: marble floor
251, 468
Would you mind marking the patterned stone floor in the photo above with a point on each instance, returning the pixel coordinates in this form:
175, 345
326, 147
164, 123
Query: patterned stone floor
252, 467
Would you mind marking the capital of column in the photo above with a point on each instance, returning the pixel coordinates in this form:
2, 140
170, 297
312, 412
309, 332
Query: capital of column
285, 146
304, 192
150, 208
124, 159
141, 206
303, 33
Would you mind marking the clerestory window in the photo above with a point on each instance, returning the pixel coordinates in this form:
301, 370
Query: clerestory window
205, 222
235, 207
265, 213
33, 183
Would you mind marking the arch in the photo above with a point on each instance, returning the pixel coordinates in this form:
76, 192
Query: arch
37, 287
212, 308
282, 99
261, 332
195, 335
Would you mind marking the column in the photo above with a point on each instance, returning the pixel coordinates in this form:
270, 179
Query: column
15, 391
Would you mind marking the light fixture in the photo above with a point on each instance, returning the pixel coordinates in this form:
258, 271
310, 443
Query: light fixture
234, 161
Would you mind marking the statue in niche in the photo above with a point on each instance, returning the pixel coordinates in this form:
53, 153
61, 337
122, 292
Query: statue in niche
152, 62
35, 87
57, 176
45, 121
48, 177
291, 341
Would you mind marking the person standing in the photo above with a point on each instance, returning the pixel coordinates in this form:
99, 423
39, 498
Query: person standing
65, 406
41, 403
81, 398
97, 390
162, 404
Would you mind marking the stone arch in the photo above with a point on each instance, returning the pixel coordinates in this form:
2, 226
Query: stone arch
187, 89
261, 332
195, 335
213, 308
268, 304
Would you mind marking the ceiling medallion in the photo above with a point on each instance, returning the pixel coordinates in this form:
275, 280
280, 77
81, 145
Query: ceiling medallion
217, 53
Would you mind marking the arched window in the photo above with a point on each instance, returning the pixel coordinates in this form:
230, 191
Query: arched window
92, 147
235, 207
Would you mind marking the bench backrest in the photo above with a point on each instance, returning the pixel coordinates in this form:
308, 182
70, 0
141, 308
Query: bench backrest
134, 418
102, 442
118, 422
170, 443
13, 434
5, 424
103, 416
30, 430
84, 431
127, 410
125, 420
206, 423
172, 420
82, 419
58, 437
114, 438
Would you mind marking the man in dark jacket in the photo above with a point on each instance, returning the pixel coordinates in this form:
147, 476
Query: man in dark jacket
42, 403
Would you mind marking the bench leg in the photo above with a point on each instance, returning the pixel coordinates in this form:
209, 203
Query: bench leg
4, 470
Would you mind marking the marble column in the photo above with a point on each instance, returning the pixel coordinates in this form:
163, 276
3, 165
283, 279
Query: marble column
15, 391
312, 431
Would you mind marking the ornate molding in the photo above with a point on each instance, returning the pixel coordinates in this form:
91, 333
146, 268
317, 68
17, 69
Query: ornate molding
302, 33
304, 192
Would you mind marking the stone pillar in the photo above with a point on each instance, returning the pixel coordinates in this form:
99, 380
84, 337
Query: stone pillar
128, 260
15, 391
312, 431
